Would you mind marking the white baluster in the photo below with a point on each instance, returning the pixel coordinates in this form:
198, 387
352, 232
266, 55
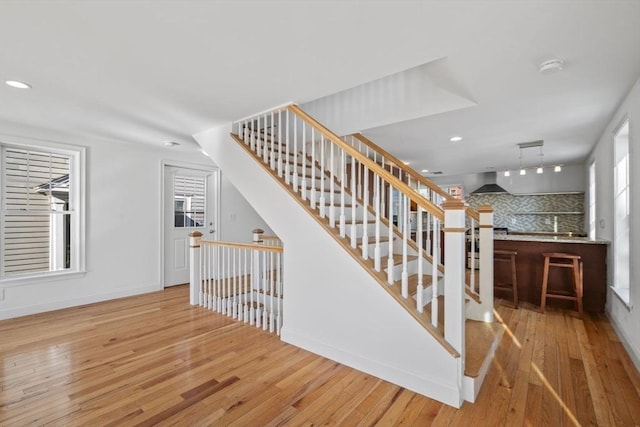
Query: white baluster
420, 287
208, 268
295, 153
303, 183
234, 303
265, 139
287, 166
280, 143
390, 263
259, 306
229, 304
253, 270
376, 251
435, 260
265, 287
332, 175
259, 146
354, 205
216, 260
343, 189
239, 274
202, 271
472, 256
313, 169
245, 307
405, 233
252, 137
429, 241
279, 285
322, 178
272, 293
365, 215
272, 159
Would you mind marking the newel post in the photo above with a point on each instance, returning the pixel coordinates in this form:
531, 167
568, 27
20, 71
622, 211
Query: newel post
195, 294
257, 235
454, 292
486, 262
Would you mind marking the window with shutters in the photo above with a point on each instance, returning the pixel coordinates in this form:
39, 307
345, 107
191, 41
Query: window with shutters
40, 211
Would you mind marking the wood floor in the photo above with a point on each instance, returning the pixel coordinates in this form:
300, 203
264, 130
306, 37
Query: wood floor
155, 360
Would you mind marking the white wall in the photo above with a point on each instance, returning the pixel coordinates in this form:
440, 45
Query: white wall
237, 216
570, 179
625, 319
332, 306
420, 91
123, 220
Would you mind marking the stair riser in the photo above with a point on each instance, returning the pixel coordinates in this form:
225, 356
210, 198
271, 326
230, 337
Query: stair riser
327, 197
384, 250
371, 230
412, 268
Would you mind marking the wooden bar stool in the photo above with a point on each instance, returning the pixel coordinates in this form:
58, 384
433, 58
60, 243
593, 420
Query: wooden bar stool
506, 256
563, 260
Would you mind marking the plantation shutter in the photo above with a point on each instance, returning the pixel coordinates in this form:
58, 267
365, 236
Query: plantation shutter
189, 201
35, 211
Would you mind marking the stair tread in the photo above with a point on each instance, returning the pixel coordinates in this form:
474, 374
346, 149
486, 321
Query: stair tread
372, 240
413, 282
397, 258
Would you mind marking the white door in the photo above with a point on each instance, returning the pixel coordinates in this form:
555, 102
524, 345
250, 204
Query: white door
189, 205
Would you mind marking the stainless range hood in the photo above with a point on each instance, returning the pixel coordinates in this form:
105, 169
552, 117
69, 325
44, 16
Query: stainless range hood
490, 186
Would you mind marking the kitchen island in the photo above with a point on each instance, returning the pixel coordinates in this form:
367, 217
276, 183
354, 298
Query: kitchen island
529, 265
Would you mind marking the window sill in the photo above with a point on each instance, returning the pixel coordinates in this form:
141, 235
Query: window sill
35, 279
623, 296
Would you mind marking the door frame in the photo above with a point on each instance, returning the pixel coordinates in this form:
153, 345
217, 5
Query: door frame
164, 164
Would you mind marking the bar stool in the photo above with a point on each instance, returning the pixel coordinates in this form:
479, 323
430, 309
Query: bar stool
563, 260
506, 256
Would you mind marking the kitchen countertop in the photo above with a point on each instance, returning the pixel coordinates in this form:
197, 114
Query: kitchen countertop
548, 238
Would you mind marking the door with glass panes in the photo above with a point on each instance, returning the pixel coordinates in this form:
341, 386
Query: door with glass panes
189, 205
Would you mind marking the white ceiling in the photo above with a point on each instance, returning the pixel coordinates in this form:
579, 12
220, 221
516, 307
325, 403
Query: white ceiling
151, 71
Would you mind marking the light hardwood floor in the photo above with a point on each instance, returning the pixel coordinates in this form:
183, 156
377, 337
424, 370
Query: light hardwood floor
155, 360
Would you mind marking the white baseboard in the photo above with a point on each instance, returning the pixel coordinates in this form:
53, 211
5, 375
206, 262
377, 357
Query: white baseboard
624, 339
90, 299
430, 387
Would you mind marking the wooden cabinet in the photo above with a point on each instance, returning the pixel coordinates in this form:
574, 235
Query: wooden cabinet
529, 263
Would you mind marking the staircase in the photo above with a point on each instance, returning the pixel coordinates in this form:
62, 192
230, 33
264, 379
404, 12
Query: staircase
366, 283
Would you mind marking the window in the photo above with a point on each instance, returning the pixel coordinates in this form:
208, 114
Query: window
40, 211
189, 201
621, 208
592, 200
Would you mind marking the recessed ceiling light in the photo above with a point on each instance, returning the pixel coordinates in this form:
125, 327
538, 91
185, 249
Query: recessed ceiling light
425, 170
406, 163
455, 138
552, 65
17, 84
171, 144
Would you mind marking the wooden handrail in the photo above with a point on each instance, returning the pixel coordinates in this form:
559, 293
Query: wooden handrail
243, 245
269, 237
409, 171
399, 164
373, 166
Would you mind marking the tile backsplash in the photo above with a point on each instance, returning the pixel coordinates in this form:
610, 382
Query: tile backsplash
534, 212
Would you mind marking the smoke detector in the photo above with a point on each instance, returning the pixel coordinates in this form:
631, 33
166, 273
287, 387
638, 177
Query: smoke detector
551, 66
